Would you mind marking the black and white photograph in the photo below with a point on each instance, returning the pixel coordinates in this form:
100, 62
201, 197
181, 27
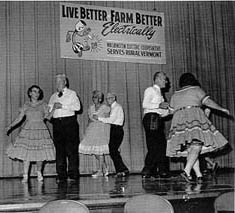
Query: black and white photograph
117, 106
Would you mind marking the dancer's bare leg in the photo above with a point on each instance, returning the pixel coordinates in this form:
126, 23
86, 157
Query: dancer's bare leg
104, 166
26, 165
196, 168
39, 171
99, 171
193, 154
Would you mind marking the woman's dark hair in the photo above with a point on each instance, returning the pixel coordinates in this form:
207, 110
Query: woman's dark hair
40, 97
188, 79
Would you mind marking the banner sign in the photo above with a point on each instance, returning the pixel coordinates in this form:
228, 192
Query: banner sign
111, 34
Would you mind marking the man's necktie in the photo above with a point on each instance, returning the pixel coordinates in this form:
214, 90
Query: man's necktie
60, 94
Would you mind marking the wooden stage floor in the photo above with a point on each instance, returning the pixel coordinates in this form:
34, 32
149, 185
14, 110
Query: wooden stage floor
110, 194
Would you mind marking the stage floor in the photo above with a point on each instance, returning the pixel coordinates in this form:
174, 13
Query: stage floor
109, 194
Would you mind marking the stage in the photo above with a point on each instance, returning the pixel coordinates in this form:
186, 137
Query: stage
109, 194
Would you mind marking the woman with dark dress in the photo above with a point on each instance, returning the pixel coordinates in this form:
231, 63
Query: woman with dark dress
191, 132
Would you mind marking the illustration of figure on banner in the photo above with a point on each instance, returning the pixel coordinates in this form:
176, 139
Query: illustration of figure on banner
81, 38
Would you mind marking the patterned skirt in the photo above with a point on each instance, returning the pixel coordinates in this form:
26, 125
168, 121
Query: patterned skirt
190, 125
33, 143
96, 139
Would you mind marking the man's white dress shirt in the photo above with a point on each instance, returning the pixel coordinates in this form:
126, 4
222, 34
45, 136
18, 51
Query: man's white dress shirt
116, 115
70, 103
152, 99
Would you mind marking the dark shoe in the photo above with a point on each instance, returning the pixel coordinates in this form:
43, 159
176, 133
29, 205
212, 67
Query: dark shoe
126, 172
165, 175
122, 174
205, 172
61, 180
188, 178
155, 175
145, 176
146, 173
199, 179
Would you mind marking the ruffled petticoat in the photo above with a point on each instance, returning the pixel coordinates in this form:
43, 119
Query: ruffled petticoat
96, 139
188, 124
33, 143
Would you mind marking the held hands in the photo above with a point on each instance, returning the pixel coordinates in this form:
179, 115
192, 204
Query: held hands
106, 115
165, 109
164, 105
57, 105
95, 117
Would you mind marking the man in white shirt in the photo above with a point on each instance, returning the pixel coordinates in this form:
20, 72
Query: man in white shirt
65, 129
154, 110
116, 119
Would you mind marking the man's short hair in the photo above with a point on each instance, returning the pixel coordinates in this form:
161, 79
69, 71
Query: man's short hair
61, 76
156, 75
111, 95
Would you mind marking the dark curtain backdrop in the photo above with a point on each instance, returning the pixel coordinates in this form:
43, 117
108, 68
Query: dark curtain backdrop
199, 38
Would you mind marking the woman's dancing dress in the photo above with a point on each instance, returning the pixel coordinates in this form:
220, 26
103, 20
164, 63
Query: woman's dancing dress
190, 124
33, 142
96, 138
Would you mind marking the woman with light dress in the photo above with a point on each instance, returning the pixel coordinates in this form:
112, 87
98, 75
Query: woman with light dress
33, 143
96, 138
191, 132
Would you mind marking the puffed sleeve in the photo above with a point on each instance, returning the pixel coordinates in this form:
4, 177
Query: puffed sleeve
202, 96
24, 108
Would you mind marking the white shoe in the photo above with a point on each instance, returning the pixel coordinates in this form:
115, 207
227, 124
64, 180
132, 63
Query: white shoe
25, 179
97, 174
40, 177
106, 173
